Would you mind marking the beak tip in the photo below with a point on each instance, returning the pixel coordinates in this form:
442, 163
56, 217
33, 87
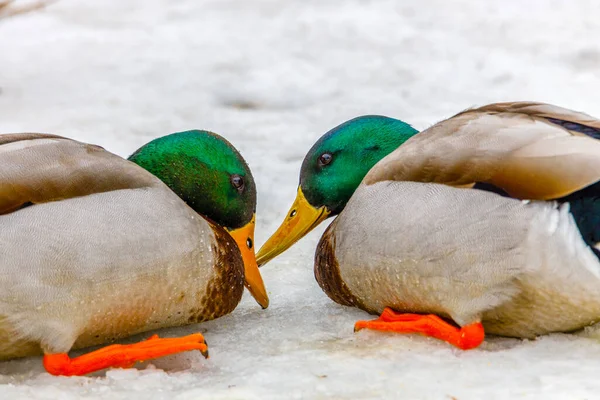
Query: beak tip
263, 301
259, 295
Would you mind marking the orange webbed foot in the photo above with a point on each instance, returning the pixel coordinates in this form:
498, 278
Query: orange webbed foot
123, 355
465, 338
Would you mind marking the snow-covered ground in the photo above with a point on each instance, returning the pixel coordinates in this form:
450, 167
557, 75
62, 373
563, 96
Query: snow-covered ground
272, 76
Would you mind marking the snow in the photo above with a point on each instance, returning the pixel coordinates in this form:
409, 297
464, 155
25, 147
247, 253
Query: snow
272, 76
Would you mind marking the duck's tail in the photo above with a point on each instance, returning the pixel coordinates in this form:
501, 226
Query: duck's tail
558, 243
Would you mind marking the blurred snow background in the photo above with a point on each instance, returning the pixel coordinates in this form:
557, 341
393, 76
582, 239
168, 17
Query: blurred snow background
272, 76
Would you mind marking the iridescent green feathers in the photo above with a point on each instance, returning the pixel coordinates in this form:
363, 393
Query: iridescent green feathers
206, 171
339, 160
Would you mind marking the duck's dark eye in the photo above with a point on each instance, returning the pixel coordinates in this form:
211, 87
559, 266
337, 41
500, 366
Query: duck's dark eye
325, 159
237, 182
249, 243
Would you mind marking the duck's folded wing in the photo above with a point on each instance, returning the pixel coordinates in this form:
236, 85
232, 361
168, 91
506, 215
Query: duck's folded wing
531, 150
39, 168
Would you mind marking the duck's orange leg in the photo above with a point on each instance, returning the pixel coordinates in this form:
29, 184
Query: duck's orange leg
122, 355
465, 338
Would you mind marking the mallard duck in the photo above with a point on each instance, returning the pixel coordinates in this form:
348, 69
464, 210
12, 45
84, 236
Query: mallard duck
97, 248
487, 222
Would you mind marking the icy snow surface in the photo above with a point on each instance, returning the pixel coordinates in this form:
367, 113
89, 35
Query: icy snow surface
272, 76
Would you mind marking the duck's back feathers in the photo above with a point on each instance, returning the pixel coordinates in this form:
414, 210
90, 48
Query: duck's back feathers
38, 168
530, 150
574, 121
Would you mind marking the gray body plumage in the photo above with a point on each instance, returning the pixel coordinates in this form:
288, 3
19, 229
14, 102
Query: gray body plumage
519, 267
90, 269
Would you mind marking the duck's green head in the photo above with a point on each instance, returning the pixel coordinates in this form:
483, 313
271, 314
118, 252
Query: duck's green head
210, 175
331, 172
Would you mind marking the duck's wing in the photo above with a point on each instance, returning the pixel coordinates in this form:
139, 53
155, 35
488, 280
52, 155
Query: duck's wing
530, 150
39, 168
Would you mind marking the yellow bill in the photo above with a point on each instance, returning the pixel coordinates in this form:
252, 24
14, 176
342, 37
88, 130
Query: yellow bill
244, 237
301, 219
